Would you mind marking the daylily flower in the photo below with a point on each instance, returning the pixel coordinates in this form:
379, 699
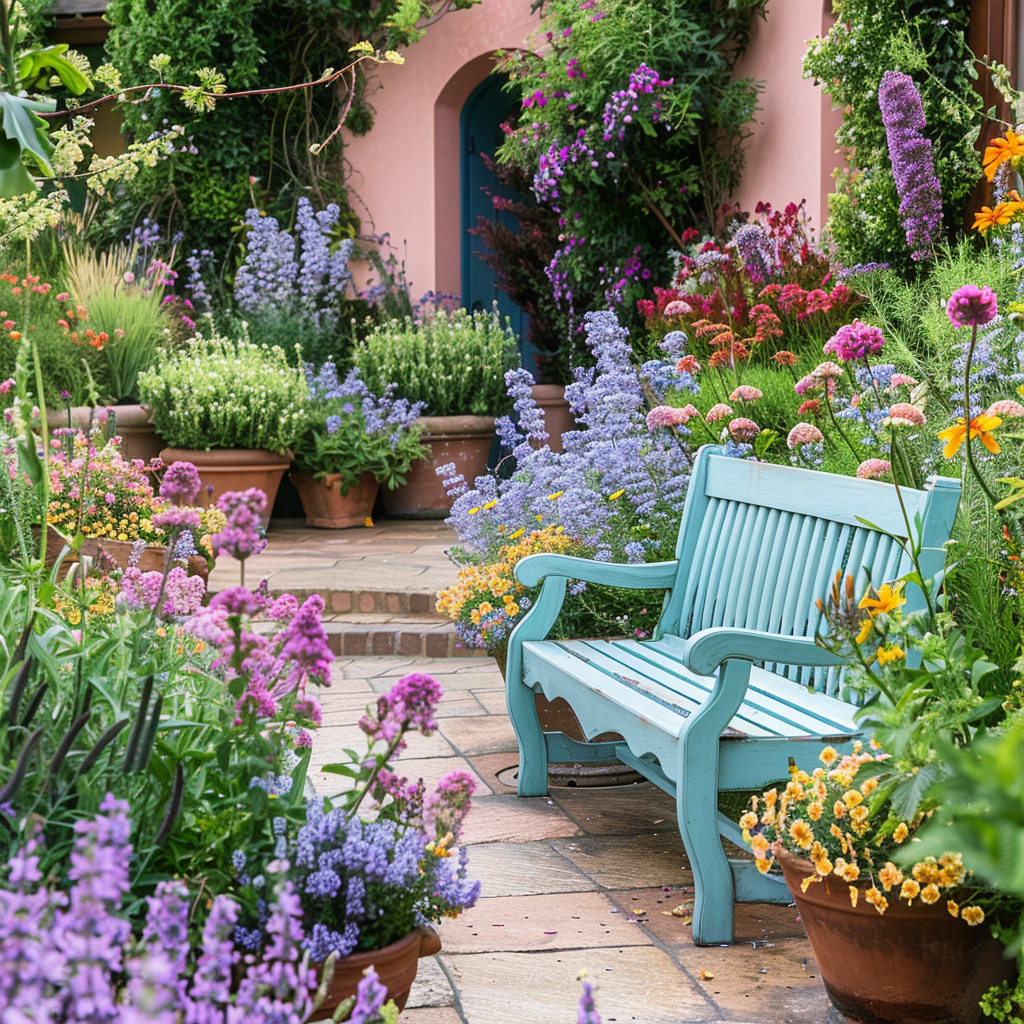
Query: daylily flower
981, 427
890, 596
999, 150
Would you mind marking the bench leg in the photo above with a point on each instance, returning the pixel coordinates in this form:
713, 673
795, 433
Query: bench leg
522, 710
697, 806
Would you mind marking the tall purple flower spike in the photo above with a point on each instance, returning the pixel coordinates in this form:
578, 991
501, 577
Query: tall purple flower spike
912, 165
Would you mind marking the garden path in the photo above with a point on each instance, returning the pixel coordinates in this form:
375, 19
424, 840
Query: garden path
585, 878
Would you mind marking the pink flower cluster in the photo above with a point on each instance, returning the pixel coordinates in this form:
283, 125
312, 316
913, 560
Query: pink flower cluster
409, 704
242, 536
669, 416
971, 306
855, 342
182, 594
803, 433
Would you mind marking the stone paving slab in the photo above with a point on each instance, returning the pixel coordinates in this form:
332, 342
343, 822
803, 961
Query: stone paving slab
642, 985
582, 863
525, 869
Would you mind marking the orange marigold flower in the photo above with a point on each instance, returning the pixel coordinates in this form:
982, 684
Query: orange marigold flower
890, 875
1000, 150
801, 834
1001, 214
981, 427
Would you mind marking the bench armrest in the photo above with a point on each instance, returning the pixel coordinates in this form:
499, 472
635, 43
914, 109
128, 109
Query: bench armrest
643, 576
705, 651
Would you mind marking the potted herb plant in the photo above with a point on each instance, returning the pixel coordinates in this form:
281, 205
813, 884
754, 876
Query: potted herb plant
454, 364
349, 443
231, 408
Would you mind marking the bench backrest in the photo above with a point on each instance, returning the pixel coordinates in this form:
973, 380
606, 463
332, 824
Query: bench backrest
759, 544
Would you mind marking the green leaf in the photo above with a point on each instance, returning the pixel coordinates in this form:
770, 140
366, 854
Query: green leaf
907, 796
22, 126
341, 769
49, 61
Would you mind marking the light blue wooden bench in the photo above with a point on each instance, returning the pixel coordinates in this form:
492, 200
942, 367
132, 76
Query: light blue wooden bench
735, 685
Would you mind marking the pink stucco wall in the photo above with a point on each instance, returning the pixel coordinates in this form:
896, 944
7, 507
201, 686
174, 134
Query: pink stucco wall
406, 169
791, 154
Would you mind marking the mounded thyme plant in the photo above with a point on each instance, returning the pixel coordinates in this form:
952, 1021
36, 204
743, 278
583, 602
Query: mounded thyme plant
219, 393
453, 363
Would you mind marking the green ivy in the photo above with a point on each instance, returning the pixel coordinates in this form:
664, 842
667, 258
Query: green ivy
926, 40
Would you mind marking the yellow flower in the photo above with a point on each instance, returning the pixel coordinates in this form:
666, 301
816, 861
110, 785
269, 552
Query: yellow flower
801, 834
518, 533
953, 907
987, 218
814, 810
817, 852
828, 756
847, 872
851, 798
759, 846
473, 511
764, 866
748, 820
981, 427
865, 631
512, 609
823, 866
930, 894
557, 494
485, 608
972, 915
890, 875
901, 832
870, 785
872, 896
889, 654
890, 597
839, 809
854, 893
490, 504
910, 890
617, 494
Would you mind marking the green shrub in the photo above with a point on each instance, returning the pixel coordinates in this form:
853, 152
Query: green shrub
454, 363
219, 393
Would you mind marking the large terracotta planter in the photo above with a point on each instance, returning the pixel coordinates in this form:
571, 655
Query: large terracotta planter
558, 418
395, 965
326, 507
464, 440
234, 469
913, 965
152, 559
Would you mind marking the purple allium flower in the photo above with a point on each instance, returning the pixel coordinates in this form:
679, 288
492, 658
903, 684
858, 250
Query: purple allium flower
855, 341
242, 535
182, 594
181, 484
972, 306
912, 166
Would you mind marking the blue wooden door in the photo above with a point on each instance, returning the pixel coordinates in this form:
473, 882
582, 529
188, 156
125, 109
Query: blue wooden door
485, 110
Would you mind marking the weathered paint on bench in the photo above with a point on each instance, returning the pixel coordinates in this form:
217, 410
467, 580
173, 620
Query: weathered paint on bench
734, 685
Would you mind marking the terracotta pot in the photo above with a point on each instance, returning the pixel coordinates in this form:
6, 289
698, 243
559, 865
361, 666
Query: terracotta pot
324, 504
395, 965
912, 965
234, 469
139, 439
558, 418
152, 558
464, 440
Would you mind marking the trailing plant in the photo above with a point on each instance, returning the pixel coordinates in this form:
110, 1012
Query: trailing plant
631, 134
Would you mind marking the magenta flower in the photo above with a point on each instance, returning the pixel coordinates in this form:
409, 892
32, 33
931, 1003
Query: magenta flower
242, 536
743, 429
855, 341
177, 518
971, 306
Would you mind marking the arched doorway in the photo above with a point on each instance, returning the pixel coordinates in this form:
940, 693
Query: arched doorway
480, 133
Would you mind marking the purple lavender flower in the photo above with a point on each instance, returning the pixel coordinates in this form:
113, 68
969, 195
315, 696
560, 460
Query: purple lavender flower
912, 166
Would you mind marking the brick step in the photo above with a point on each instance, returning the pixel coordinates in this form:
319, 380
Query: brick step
410, 636
359, 602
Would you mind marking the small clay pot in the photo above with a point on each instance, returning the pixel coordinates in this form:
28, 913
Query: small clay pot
326, 507
396, 967
558, 417
911, 965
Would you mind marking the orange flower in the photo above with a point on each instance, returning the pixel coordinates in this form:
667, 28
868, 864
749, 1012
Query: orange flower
930, 893
890, 875
981, 427
996, 216
901, 832
801, 834
1000, 150
910, 890
890, 597
972, 915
